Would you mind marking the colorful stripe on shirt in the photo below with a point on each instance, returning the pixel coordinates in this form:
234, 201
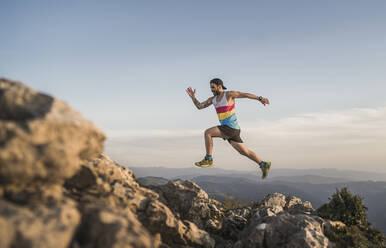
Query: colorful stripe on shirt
227, 116
224, 112
231, 121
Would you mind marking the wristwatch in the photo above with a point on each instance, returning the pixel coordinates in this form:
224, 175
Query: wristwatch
260, 98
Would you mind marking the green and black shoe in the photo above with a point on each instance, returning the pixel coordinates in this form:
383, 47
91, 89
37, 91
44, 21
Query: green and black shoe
265, 166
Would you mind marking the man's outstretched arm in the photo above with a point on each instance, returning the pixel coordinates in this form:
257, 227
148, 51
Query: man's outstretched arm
199, 105
238, 94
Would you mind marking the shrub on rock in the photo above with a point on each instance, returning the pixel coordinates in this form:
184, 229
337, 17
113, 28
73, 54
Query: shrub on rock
350, 209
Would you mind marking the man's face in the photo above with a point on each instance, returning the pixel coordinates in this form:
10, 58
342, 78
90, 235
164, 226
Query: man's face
215, 89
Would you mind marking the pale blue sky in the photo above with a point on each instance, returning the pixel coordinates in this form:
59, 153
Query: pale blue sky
125, 64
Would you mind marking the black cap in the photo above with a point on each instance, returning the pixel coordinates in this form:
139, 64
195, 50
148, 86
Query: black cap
217, 82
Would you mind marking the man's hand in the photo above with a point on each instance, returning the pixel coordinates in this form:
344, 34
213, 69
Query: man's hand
264, 101
191, 92
199, 105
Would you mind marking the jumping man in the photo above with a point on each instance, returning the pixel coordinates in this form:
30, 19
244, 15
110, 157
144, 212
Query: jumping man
224, 103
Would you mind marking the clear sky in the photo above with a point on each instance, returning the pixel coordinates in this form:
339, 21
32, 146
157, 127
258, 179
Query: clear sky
125, 65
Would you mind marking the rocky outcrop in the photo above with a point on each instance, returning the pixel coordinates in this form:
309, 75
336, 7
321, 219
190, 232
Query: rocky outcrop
42, 139
103, 182
57, 189
190, 202
283, 230
278, 221
42, 142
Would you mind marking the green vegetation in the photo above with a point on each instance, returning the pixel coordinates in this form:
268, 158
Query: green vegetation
349, 209
345, 207
152, 181
231, 203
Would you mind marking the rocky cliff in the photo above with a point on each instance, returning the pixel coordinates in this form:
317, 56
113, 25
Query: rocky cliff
57, 189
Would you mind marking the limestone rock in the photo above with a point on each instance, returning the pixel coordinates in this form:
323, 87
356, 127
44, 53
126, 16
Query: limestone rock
278, 221
301, 208
284, 230
190, 201
232, 225
39, 226
270, 211
244, 212
274, 200
112, 227
41, 138
291, 201
37, 193
275, 203
103, 182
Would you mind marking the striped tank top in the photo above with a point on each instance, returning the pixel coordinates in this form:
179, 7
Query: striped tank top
226, 113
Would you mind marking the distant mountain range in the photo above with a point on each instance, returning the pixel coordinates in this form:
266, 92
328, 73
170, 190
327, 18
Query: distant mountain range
303, 175
315, 185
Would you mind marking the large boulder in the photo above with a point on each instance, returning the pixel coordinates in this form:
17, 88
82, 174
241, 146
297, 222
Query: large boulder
275, 203
42, 139
284, 230
191, 202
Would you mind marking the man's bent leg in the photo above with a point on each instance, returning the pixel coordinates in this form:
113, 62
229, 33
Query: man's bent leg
264, 166
240, 147
209, 133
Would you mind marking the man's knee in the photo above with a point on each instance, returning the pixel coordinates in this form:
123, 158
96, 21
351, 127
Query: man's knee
207, 132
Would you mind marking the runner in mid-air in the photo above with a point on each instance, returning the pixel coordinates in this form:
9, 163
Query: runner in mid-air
224, 103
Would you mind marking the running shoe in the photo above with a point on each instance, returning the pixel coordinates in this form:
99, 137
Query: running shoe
265, 169
205, 163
